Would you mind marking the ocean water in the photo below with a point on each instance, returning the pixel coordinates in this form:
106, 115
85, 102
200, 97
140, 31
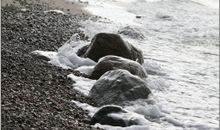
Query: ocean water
181, 47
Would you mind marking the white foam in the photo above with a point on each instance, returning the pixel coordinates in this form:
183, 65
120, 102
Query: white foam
48, 54
86, 69
130, 116
151, 111
82, 84
68, 55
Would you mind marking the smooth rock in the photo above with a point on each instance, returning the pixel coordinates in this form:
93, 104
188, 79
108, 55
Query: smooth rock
103, 116
110, 44
117, 86
111, 62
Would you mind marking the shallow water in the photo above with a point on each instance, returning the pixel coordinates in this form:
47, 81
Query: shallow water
181, 46
182, 37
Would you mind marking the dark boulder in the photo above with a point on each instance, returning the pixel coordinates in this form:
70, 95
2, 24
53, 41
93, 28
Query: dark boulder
111, 62
103, 117
117, 86
110, 44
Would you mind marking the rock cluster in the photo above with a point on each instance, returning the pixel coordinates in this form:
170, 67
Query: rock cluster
120, 76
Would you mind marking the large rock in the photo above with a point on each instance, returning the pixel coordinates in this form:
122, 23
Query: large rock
110, 44
105, 116
111, 62
101, 116
117, 86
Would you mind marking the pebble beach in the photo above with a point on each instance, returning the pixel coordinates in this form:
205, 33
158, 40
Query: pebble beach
35, 94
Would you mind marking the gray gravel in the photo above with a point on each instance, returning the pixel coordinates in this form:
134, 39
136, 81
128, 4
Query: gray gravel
35, 94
